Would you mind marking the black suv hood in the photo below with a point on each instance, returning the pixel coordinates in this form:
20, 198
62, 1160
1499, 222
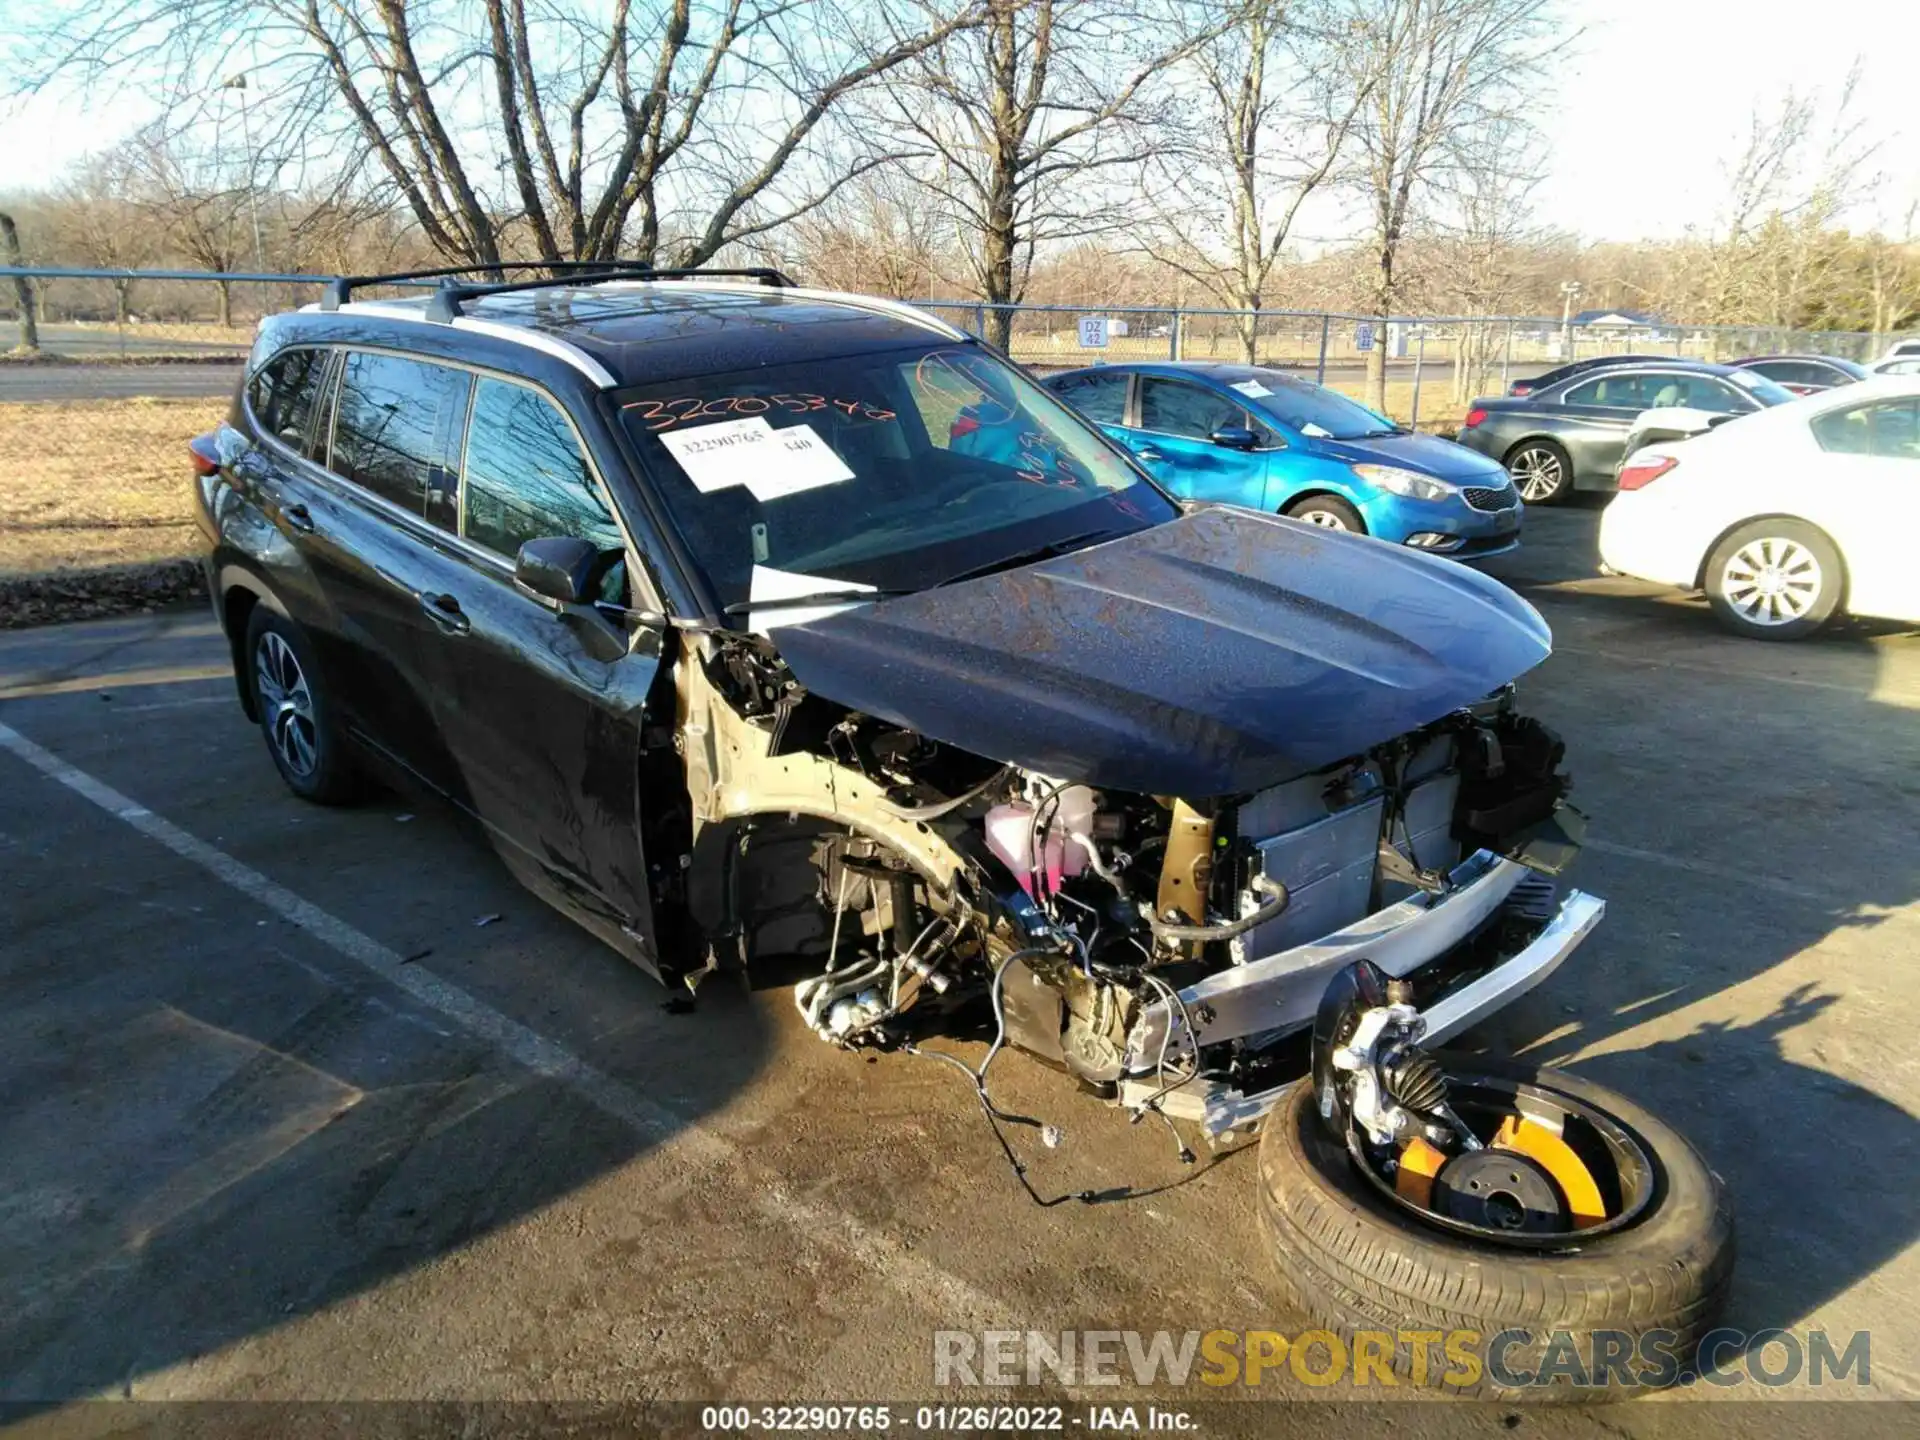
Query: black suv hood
1223, 651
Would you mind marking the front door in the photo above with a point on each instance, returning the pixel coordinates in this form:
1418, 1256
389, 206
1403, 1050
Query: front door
544, 713
1172, 439
1870, 501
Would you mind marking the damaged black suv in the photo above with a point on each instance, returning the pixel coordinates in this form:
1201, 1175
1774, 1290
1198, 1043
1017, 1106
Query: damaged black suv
757, 623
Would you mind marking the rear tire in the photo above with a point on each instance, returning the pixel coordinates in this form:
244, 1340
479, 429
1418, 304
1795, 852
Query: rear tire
1774, 580
1356, 1263
1542, 472
296, 713
1329, 512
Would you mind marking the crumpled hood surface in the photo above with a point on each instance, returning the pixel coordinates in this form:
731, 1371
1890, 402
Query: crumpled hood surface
1224, 651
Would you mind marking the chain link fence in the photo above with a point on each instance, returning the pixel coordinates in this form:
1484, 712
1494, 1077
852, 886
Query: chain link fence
130, 365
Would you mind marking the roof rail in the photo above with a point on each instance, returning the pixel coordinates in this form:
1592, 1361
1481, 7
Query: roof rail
339, 290
447, 298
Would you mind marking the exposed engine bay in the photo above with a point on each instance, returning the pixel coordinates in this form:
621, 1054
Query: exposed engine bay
1124, 938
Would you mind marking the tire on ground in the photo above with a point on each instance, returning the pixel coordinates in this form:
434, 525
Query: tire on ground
1359, 1265
1332, 507
333, 779
1825, 554
1562, 490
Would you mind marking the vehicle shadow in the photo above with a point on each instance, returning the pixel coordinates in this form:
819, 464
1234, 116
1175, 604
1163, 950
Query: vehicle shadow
1752, 832
215, 1124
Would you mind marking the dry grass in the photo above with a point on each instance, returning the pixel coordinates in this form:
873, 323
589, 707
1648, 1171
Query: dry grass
98, 482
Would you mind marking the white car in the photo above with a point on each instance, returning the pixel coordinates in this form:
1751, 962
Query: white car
1783, 517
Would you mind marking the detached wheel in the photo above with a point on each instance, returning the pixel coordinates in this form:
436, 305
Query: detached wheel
1329, 512
1371, 1270
296, 716
1774, 580
1542, 472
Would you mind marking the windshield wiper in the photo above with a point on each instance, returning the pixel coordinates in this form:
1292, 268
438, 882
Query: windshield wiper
819, 597
1028, 557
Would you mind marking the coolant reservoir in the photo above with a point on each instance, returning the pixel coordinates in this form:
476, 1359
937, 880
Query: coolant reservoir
1012, 838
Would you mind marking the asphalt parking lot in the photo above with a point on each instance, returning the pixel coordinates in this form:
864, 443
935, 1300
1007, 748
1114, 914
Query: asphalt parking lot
298, 1103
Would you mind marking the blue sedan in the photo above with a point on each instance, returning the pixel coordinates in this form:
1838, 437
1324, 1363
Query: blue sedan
1272, 441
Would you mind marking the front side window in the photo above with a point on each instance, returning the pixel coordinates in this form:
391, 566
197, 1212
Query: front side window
897, 469
285, 396
526, 476
1890, 429
1173, 407
394, 429
1101, 398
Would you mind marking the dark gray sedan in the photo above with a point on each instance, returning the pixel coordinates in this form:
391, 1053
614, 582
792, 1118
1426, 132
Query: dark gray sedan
1570, 435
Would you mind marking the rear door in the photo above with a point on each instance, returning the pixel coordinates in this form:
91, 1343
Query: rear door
542, 712
1870, 501
1600, 411
1171, 438
379, 541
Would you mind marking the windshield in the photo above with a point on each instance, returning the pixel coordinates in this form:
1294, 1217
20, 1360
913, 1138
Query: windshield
1313, 410
895, 471
1767, 392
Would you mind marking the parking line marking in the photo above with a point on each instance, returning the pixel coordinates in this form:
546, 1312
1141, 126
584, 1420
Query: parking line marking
116, 680
963, 1304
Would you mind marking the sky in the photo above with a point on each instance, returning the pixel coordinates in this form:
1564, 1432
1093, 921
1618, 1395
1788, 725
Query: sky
1639, 121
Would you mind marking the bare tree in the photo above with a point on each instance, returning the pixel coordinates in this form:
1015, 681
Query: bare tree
1774, 259
197, 202
1450, 73
97, 222
1278, 104
29, 342
1026, 117
591, 131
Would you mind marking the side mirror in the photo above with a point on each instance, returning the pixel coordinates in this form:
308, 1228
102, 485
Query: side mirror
559, 569
1234, 437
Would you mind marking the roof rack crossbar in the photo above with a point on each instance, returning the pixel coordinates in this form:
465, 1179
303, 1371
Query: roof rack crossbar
339, 290
444, 305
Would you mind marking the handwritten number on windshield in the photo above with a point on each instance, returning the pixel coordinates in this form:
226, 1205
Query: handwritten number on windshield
682, 410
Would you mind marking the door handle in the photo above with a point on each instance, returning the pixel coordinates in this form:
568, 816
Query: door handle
444, 610
1149, 454
298, 517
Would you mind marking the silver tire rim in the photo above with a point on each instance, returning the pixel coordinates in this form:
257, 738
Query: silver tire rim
1537, 473
286, 704
1772, 581
1325, 519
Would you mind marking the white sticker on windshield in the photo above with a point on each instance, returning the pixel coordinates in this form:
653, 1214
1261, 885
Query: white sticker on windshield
1314, 431
1252, 389
770, 463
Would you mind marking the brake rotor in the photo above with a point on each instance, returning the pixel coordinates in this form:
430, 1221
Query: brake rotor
1526, 1136
1501, 1190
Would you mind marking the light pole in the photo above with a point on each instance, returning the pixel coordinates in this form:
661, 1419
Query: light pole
1569, 292
239, 82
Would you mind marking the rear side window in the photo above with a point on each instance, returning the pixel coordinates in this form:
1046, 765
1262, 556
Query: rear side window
526, 476
1614, 391
284, 395
1101, 398
1172, 407
394, 429
1890, 428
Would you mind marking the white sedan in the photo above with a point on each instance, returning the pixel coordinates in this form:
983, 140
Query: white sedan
1785, 516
